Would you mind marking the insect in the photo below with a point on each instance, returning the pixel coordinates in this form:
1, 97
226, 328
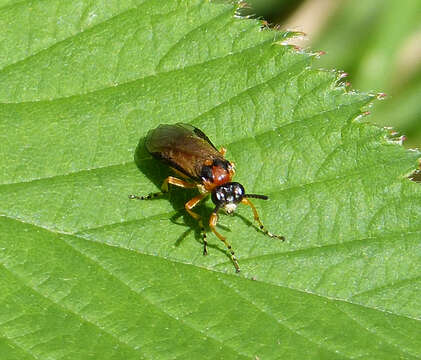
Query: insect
190, 153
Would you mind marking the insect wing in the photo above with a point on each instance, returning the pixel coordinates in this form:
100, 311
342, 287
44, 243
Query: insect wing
182, 147
197, 132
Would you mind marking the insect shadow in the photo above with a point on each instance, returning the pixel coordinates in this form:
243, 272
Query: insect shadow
156, 172
188, 221
247, 222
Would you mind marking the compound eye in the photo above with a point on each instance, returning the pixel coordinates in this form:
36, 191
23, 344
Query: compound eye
220, 196
238, 193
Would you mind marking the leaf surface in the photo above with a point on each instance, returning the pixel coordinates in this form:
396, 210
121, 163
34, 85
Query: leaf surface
87, 273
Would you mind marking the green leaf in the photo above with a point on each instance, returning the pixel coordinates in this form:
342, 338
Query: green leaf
87, 273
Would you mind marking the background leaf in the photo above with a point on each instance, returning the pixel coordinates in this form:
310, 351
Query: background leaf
382, 47
377, 43
86, 273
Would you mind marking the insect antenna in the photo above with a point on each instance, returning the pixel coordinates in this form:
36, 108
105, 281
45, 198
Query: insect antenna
255, 196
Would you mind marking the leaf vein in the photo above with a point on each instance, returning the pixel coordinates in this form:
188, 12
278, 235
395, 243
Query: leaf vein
278, 321
66, 309
146, 298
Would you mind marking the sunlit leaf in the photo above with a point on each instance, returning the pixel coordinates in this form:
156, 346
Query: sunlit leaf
87, 273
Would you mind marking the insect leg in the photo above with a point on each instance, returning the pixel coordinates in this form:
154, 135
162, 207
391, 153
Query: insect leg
222, 151
164, 188
177, 182
212, 223
190, 205
257, 218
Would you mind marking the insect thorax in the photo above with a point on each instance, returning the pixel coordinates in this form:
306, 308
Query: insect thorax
216, 172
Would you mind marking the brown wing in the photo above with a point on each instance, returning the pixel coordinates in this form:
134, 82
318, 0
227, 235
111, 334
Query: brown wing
182, 147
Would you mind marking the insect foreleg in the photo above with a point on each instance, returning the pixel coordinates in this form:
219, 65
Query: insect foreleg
190, 205
212, 223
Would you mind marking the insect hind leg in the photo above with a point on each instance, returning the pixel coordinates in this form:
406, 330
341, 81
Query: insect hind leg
164, 188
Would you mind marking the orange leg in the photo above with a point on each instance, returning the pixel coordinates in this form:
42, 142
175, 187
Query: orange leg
190, 205
179, 173
177, 182
222, 150
164, 188
257, 218
212, 223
